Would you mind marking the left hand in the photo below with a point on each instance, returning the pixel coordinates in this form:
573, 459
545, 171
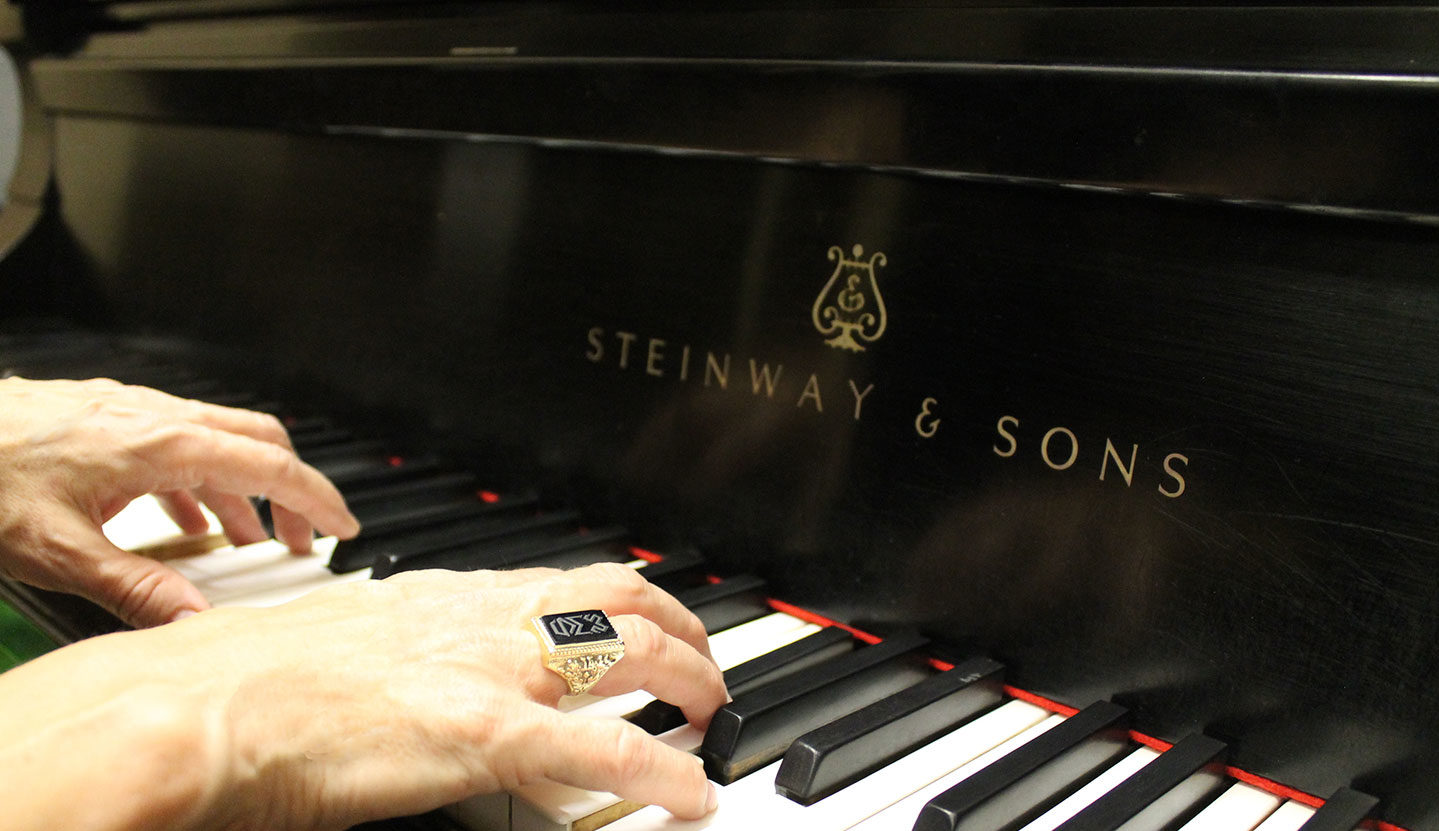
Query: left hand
73, 453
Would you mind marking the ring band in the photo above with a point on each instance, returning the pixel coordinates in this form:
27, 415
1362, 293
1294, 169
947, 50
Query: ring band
580, 647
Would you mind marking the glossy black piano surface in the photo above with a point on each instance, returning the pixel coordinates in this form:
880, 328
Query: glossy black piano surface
1147, 407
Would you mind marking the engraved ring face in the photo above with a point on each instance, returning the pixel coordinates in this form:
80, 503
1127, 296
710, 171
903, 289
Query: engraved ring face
579, 646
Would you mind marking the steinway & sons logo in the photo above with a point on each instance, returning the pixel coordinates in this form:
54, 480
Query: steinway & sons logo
850, 304
849, 312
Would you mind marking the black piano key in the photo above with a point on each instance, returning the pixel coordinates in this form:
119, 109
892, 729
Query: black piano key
446, 529
127, 368
228, 398
727, 603
601, 545
838, 754
378, 503
263, 405
20, 352
338, 460
196, 388
311, 442
374, 488
364, 489
827, 643
391, 519
567, 551
398, 520
435, 527
679, 569
1342, 811
1163, 794
661, 716
359, 478
310, 424
754, 729
460, 540
1034, 777
362, 463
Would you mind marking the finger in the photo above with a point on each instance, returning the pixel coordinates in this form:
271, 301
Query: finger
292, 529
666, 667
138, 590
237, 464
236, 514
621, 590
260, 426
256, 425
616, 756
184, 510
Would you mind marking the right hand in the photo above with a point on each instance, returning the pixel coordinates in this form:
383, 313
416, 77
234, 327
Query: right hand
374, 699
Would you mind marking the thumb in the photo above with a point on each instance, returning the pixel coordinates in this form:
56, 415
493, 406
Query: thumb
138, 590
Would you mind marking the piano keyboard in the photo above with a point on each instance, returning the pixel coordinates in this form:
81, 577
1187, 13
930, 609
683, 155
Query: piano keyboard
1086, 780
826, 731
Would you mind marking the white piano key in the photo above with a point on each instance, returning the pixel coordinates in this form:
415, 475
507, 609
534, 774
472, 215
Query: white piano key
483, 812
1097, 787
144, 524
1290, 816
282, 571
263, 574
1241, 808
238, 559
900, 815
284, 594
751, 803
730, 648
236, 570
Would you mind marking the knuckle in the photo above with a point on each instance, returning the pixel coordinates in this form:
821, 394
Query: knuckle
646, 642
138, 594
625, 582
270, 428
283, 465
634, 755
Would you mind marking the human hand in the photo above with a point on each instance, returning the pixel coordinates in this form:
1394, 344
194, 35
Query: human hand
73, 453
360, 701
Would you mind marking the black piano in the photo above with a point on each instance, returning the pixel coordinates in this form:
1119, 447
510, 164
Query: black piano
1099, 340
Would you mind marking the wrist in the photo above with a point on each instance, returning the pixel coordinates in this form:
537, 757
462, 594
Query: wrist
144, 759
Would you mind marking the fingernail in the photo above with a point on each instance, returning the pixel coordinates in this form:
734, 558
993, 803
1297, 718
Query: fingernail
711, 801
181, 615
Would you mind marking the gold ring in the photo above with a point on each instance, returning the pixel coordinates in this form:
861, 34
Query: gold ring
579, 646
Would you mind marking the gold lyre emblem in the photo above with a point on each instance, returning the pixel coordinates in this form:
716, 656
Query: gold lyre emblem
850, 308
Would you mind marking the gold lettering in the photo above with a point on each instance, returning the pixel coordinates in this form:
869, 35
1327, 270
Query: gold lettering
626, 338
811, 391
1126, 472
714, 370
926, 424
859, 396
656, 355
596, 352
764, 377
1073, 448
1178, 491
685, 363
1013, 442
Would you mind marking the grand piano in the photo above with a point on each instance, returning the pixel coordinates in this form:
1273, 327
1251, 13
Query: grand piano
1098, 340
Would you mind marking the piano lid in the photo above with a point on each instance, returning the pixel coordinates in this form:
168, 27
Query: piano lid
1316, 108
